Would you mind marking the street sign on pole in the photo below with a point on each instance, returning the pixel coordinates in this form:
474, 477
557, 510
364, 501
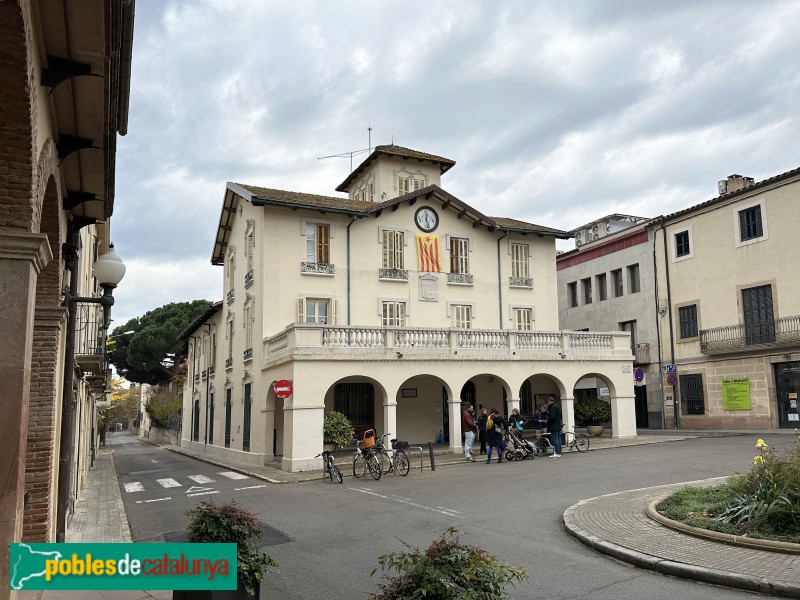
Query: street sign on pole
638, 374
672, 379
671, 368
283, 388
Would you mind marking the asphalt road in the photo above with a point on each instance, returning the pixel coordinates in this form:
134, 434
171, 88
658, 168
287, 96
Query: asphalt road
326, 537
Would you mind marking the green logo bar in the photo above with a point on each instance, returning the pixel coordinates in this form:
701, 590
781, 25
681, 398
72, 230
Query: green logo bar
123, 566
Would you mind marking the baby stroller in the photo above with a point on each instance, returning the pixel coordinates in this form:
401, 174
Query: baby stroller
517, 447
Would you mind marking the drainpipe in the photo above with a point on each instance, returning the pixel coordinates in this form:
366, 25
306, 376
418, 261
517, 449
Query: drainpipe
676, 396
348, 269
500, 280
658, 334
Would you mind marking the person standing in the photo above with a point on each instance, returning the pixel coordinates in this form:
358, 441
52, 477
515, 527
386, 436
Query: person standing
469, 428
494, 435
540, 424
482, 429
554, 425
515, 419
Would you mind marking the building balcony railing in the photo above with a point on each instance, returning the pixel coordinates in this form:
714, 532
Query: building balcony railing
248, 354
197, 377
204, 374
231, 296
398, 274
779, 333
373, 343
318, 268
90, 337
526, 282
210, 371
641, 354
229, 363
248, 278
460, 278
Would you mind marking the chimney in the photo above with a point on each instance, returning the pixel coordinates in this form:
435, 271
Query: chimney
734, 183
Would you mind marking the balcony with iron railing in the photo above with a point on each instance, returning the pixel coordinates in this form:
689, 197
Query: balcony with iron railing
229, 363
248, 278
248, 354
90, 337
764, 335
317, 268
372, 343
641, 354
231, 295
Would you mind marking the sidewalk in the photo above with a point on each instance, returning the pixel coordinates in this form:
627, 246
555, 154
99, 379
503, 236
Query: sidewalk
618, 525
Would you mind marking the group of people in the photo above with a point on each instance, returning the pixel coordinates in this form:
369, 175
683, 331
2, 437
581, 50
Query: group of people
491, 425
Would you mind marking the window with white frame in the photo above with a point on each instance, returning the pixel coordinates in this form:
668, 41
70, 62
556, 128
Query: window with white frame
419, 183
316, 310
318, 241
523, 318
231, 269
230, 339
462, 315
519, 260
213, 355
403, 185
752, 224
250, 244
459, 255
393, 244
393, 314
683, 247
249, 319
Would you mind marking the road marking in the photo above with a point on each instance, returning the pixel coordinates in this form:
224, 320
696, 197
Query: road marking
403, 501
168, 483
203, 493
134, 486
201, 479
153, 500
233, 475
449, 509
195, 488
152, 460
251, 487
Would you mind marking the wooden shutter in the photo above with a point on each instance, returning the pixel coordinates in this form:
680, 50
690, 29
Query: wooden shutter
301, 310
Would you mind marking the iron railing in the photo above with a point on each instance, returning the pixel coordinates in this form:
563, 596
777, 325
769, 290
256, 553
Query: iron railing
736, 338
641, 354
90, 336
399, 274
462, 278
520, 282
314, 267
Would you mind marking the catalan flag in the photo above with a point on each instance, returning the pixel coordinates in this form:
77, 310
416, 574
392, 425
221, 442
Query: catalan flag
428, 253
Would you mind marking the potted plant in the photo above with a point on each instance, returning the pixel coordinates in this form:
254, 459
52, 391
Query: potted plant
592, 413
336, 430
229, 523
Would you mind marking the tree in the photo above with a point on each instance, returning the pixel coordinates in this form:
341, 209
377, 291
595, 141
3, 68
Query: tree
164, 408
138, 357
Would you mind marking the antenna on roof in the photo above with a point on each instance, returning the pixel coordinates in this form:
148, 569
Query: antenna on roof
369, 138
345, 155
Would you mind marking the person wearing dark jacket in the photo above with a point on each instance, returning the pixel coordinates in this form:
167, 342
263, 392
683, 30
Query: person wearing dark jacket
494, 437
482, 429
554, 426
515, 418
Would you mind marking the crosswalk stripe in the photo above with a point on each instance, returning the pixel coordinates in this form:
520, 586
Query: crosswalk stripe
201, 479
168, 483
134, 486
234, 475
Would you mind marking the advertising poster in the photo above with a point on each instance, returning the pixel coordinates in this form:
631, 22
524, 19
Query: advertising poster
736, 394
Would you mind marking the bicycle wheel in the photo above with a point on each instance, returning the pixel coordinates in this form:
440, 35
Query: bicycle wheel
385, 459
359, 466
336, 474
581, 442
374, 466
401, 464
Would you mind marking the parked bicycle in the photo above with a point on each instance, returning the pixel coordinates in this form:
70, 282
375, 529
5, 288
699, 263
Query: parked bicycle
330, 468
572, 441
397, 459
365, 459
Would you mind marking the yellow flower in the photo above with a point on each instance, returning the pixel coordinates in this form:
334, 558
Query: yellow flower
760, 444
758, 460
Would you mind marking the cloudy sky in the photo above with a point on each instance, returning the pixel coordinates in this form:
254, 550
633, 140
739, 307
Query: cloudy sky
556, 112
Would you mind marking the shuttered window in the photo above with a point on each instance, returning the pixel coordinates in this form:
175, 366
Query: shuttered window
459, 255
393, 250
519, 260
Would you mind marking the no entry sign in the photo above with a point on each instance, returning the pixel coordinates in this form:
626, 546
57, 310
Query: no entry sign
283, 388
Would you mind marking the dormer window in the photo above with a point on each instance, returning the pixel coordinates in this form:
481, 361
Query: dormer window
403, 185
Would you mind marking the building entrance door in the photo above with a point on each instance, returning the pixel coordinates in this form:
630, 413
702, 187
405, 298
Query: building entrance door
642, 421
787, 387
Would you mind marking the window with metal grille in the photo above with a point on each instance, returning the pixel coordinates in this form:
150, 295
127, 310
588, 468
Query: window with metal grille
682, 244
750, 224
587, 290
633, 279
687, 317
318, 240
393, 314
572, 293
459, 255
519, 260
393, 250
462, 315
616, 276
602, 287
692, 398
523, 319
356, 401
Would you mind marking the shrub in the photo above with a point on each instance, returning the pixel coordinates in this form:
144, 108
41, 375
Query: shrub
593, 411
447, 569
336, 429
229, 523
164, 408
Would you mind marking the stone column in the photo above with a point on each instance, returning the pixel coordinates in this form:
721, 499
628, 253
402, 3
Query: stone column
22, 257
454, 409
390, 417
623, 417
302, 433
269, 431
568, 413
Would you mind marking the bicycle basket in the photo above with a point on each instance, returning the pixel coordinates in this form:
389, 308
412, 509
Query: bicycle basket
398, 445
369, 439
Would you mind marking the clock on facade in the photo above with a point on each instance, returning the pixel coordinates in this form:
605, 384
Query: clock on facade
426, 219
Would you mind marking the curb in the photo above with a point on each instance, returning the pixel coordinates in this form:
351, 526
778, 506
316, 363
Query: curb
676, 569
718, 536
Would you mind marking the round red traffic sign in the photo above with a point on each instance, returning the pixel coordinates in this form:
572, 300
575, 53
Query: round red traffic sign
638, 374
283, 388
672, 379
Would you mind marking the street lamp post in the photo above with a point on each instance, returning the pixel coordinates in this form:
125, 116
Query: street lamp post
109, 271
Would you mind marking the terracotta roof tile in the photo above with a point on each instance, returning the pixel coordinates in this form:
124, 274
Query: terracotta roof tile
310, 200
392, 150
504, 223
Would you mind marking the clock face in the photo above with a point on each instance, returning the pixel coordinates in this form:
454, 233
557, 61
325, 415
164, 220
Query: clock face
426, 218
